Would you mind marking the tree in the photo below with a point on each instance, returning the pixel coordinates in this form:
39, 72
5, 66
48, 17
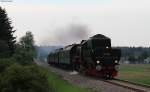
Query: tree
142, 56
4, 49
25, 50
27, 41
6, 34
132, 59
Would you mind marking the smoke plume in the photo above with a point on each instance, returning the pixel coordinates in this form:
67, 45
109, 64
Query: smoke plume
73, 33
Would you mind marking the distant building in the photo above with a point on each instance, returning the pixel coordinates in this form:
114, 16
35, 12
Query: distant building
147, 60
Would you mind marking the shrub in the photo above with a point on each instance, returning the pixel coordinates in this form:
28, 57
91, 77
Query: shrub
18, 78
4, 63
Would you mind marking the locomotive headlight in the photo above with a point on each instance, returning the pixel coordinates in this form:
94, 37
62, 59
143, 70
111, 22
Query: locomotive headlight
98, 67
97, 62
116, 61
107, 47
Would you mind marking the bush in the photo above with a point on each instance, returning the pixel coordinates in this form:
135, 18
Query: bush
4, 63
23, 58
18, 78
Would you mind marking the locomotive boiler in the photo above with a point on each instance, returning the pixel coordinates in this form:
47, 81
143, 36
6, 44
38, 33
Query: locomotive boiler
93, 56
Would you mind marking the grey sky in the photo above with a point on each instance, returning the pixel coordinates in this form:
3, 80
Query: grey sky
126, 22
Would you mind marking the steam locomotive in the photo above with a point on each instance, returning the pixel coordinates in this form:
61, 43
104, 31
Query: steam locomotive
94, 57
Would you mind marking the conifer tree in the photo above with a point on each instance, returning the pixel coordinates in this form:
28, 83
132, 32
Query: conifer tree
6, 34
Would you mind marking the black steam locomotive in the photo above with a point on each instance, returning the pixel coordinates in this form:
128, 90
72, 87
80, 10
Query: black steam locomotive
94, 56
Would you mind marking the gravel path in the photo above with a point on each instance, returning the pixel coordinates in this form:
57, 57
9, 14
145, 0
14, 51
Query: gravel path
85, 82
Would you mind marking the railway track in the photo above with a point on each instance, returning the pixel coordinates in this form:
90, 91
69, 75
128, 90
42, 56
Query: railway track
115, 85
129, 85
147, 86
134, 87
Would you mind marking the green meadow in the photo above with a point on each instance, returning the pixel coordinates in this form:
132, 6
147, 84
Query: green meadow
138, 73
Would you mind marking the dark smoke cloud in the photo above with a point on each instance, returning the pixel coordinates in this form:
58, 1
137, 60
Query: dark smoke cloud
66, 35
73, 33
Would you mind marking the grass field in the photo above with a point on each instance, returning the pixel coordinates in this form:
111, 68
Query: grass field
138, 73
59, 85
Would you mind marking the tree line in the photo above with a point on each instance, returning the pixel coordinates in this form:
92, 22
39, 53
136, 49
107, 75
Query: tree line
135, 54
18, 73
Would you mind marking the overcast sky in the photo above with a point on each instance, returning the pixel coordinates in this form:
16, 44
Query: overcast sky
126, 22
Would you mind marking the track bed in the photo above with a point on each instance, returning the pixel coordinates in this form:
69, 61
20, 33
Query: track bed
97, 85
